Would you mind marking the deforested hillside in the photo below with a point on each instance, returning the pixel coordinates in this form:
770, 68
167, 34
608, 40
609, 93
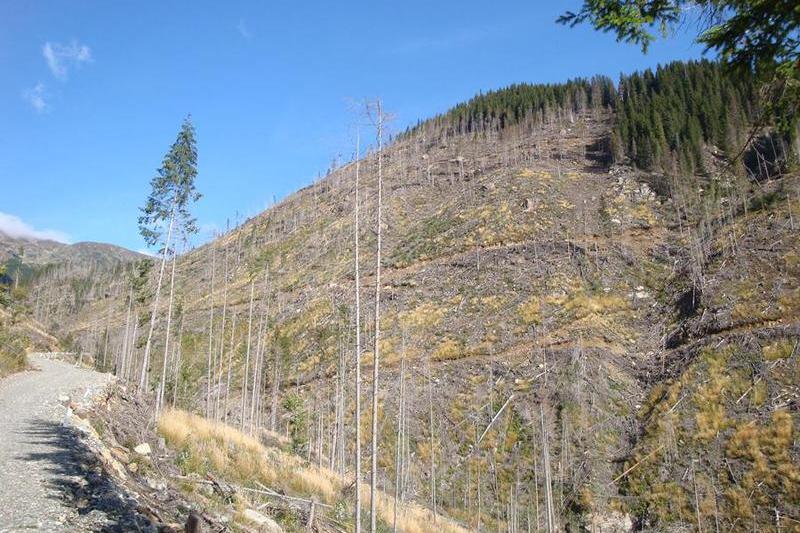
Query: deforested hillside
52, 281
57, 293
589, 314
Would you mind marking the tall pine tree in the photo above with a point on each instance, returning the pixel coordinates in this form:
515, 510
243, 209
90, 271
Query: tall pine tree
166, 210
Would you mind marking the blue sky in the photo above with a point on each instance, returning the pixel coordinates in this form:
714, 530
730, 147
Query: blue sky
94, 92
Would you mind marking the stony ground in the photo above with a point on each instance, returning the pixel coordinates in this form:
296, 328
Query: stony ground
50, 479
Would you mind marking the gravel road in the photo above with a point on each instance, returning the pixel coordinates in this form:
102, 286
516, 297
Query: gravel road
40, 458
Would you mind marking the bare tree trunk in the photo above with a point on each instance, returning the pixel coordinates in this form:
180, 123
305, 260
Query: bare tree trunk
398, 456
376, 351
535, 487
255, 394
357, 354
247, 356
123, 359
340, 403
432, 441
480, 499
551, 525
259, 350
222, 338
210, 332
256, 370
333, 448
230, 365
320, 430
276, 379
148, 345
105, 343
163, 385
178, 366
132, 346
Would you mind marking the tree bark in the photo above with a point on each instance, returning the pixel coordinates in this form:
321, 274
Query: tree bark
230, 365
259, 351
162, 386
376, 351
247, 357
548, 488
358, 352
432, 441
123, 359
210, 332
178, 365
222, 339
148, 345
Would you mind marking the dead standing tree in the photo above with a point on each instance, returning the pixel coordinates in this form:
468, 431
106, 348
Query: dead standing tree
218, 365
123, 357
247, 356
210, 364
358, 349
259, 356
375, 113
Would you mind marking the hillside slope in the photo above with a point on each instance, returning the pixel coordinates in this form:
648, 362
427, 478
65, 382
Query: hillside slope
554, 334
56, 280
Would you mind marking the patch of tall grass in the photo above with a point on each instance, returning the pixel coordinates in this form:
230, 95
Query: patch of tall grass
205, 447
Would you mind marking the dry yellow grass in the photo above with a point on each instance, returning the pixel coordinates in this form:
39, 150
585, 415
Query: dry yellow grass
448, 349
530, 311
584, 305
778, 350
411, 518
206, 446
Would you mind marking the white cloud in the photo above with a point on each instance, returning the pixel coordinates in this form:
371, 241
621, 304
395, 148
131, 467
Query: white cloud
60, 57
16, 228
145, 251
243, 30
37, 97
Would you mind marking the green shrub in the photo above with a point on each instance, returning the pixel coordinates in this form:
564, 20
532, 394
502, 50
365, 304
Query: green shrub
13, 350
298, 423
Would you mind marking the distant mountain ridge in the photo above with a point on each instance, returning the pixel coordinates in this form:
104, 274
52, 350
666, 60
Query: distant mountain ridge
45, 251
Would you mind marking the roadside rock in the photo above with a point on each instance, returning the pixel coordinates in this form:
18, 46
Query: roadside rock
121, 455
156, 484
613, 522
265, 523
143, 449
95, 444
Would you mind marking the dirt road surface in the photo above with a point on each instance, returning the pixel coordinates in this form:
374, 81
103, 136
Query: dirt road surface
47, 482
